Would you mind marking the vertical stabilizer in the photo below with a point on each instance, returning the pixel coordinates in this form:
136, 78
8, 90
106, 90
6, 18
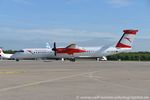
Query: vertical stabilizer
47, 45
1, 52
127, 39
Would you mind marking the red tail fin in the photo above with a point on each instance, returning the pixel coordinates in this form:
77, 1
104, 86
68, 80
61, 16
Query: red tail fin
127, 39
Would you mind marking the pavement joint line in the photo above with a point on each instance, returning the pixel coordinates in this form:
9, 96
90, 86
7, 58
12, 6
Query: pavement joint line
42, 82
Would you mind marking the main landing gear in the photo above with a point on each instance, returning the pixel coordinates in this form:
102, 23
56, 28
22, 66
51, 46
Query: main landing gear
72, 59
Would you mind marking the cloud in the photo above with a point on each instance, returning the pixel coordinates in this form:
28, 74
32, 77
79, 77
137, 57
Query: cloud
26, 2
16, 38
119, 3
57, 34
72, 1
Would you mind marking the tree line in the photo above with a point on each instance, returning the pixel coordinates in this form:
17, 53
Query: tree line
131, 56
9, 51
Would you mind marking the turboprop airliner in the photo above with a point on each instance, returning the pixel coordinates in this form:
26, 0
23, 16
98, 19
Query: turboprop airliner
73, 51
30, 53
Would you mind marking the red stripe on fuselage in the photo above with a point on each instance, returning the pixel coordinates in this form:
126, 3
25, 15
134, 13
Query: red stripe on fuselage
69, 50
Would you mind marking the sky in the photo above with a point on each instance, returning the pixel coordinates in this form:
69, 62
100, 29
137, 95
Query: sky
32, 23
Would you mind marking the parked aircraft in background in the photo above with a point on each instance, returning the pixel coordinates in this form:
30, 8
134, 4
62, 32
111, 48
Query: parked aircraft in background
73, 51
34, 53
31, 53
5, 56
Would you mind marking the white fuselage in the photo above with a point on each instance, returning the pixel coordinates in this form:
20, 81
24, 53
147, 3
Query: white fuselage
6, 56
33, 53
93, 52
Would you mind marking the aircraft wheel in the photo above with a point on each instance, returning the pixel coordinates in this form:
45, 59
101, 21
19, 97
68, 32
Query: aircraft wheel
17, 59
73, 59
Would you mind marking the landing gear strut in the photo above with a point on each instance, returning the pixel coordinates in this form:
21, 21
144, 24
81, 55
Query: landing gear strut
62, 59
97, 59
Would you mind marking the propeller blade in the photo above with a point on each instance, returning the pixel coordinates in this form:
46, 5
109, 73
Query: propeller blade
55, 45
54, 49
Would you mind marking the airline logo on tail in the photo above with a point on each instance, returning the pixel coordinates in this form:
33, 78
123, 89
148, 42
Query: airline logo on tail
127, 39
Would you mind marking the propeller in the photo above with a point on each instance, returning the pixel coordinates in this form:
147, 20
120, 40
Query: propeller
54, 49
